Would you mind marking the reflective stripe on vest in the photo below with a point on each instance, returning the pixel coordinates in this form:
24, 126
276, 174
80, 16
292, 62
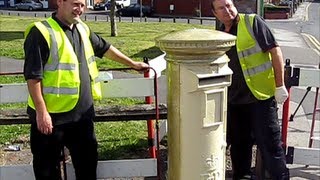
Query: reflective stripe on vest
258, 69
256, 64
92, 64
54, 90
53, 49
61, 81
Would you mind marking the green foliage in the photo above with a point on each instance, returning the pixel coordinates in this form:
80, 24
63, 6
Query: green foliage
12, 35
116, 139
11, 79
119, 101
134, 39
13, 106
11, 134
120, 139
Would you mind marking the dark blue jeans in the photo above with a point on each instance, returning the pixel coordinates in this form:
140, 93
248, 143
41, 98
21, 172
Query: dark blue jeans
78, 137
256, 123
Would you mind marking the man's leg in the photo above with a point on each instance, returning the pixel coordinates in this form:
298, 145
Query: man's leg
46, 154
82, 145
268, 138
239, 134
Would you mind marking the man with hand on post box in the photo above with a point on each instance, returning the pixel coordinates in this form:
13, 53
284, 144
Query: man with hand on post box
61, 75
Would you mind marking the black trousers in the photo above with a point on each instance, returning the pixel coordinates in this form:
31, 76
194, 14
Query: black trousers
256, 123
78, 137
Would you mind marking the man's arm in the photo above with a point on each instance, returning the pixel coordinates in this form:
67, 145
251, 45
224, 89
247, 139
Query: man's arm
44, 122
281, 93
114, 54
278, 66
36, 55
268, 43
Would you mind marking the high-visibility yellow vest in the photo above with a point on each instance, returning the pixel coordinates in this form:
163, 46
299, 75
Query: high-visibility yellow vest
61, 80
255, 64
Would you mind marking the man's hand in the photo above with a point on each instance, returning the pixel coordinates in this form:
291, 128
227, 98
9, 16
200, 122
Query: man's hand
115, 55
140, 66
281, 94
44, 123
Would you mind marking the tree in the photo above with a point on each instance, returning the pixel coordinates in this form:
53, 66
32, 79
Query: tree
112, 18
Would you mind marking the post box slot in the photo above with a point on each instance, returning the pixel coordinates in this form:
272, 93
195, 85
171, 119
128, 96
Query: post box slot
213, 80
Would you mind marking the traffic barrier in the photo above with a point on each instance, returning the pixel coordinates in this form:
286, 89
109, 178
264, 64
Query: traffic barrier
300, 75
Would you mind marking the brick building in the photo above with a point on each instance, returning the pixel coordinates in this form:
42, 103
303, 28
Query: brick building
191, 8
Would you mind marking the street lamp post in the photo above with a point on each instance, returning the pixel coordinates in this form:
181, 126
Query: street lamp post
141, 11
200, 8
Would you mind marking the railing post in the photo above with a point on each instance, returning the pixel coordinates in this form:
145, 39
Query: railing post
150, 122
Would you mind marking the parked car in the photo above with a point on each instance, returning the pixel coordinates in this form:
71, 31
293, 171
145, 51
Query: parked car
99, 6
107, 6
134, 10
119, 4
123, 3
29, 5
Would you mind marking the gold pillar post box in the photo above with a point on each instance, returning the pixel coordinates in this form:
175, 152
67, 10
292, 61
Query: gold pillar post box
198, 76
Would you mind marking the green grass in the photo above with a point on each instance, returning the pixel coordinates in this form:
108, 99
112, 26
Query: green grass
116, 139
11, 78
134, 39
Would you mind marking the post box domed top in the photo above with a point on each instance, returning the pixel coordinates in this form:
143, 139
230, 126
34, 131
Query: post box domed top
196, 40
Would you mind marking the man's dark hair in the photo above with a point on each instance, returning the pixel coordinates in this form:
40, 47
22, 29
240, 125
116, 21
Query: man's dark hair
212, 6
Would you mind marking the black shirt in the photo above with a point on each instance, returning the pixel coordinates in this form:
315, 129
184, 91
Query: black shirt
238, 91
36, 56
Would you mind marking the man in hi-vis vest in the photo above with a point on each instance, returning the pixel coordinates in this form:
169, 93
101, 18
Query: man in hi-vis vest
257, 86
61, 74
